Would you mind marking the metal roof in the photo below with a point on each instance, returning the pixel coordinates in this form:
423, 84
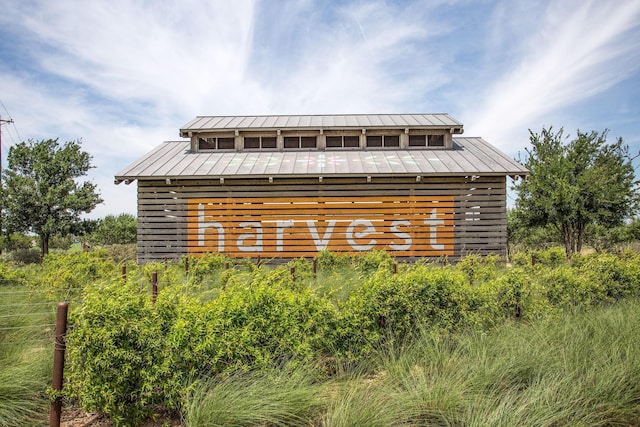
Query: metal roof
344, 121
469, 156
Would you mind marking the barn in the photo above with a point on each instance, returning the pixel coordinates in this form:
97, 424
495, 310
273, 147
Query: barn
291, 186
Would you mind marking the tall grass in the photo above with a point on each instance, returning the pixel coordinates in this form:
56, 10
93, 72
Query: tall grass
280, 397
581, 369
26, 350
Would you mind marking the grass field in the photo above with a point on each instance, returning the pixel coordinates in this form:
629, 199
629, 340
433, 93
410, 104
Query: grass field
26, 355
582, 369
577, 364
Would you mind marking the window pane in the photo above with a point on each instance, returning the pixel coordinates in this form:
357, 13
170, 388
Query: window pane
417, 140
334, 142
308, 141
291, 142
352, 141
226, 144
374, 141
250, 143
206, 143
392, 141
436, 140
268, 142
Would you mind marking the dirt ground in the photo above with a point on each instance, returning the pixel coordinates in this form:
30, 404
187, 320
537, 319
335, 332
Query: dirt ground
74, 417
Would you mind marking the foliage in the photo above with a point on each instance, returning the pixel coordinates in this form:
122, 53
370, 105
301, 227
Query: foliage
206, 266
60, 242
64, 275
214, 332
40, 191
121, 254
26, 256
112, 230
522, 236
328, 260
575, 184
25, 354
368, 262
389, 306
15, 241
283, 396
112, 348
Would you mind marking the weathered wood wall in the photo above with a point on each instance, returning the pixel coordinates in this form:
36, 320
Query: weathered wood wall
478, 217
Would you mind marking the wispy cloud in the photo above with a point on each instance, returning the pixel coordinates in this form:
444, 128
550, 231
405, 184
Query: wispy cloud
576, 51
123, 76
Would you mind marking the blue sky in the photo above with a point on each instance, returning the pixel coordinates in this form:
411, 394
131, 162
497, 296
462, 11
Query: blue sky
123, 76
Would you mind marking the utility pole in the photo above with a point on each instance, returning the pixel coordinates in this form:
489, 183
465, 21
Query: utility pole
2, 122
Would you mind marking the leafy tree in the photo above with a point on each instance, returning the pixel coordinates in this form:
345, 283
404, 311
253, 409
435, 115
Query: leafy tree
577, 183
41, 192
113, 230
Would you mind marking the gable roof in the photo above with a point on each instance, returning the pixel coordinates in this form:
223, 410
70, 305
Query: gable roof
469, 156
300, 122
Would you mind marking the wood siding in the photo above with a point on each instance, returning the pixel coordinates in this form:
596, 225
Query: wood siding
477, 223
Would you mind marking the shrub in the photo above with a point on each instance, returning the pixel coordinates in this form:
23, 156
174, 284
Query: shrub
26, 256
366, 263
328, 260
121, 253
389, 306
112, 348
69, 273
551, 257
479, 268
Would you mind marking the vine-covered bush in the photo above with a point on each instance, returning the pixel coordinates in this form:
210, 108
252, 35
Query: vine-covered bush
66, 274
388, 306
128, 355
113, 347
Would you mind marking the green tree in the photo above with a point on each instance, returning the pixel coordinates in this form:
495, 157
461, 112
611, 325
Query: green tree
113, 229
41, 191
576, 183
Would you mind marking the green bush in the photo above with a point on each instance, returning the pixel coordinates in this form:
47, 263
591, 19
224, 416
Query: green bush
113, 345
128, 356
367, 263
205, 266
618, 276
478, 268
388, 306
67, 274
26, 256
121, 253
16, 241
328, 260
551, 257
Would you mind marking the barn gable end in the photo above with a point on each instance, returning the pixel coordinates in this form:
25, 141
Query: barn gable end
289, 186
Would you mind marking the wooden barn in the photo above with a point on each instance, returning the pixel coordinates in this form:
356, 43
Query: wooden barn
290, 186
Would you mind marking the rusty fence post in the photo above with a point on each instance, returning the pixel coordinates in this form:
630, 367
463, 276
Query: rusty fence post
57, 378
154, 286
293, 273
226, 266
315, 267
395, 268
186, 266
124, 274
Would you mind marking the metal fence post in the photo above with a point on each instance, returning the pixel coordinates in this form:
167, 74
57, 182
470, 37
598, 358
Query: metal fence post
154, 286
55, 412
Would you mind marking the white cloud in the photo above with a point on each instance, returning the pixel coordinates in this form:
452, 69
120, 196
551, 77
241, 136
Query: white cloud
576, 51
124, 76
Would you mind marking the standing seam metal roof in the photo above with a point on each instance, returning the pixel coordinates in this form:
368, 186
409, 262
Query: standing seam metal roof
355, 121
470, 156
